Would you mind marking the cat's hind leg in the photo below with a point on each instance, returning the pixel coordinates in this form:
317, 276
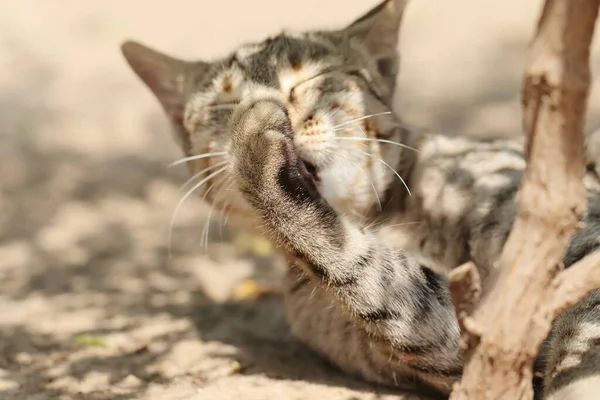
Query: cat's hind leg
572, 353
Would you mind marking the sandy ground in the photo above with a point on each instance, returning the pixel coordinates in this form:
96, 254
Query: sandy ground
91, 305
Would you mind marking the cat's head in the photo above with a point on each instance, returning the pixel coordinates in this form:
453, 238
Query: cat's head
332, 82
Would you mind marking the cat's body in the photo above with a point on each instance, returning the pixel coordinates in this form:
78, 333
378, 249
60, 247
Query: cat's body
299, 130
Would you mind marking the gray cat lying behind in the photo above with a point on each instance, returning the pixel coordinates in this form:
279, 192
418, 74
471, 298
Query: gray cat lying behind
293, 137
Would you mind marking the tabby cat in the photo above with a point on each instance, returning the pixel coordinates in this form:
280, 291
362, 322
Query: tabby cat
294, 138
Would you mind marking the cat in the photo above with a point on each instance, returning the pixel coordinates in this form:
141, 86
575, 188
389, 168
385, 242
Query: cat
294, 138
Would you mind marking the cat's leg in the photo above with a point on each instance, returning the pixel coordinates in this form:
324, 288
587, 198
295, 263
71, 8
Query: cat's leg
396, 313
570, 356
316, 318
572, 353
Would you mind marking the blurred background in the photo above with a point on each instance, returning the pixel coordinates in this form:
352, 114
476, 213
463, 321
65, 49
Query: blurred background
91, 305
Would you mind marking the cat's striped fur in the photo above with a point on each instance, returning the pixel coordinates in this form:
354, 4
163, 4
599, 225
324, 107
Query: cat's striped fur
366, 285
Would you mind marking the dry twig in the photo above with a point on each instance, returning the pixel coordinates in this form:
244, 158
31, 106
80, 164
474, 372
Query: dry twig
506, 329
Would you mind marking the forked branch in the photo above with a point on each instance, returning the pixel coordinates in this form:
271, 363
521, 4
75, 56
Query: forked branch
511, 321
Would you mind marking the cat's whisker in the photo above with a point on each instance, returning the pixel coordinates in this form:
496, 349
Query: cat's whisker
331, 114
373, 186
389, 166
225, 205
376, 224
377, 140
198, 157
335, 112
196, 175
222, 106
361, 118
182, 200
205, 229
312, 293
367, 176
211, 187
224, 219
219, 182
404, 223
216, 200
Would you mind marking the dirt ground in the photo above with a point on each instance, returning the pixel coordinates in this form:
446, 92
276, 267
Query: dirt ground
92, 306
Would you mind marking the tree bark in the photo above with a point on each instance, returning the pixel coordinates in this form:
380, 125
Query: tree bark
530, 287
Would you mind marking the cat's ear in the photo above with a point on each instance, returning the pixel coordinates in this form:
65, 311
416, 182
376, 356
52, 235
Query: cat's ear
171, 80
378, 30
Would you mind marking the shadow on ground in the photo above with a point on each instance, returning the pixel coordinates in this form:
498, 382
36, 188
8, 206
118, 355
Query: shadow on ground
85, 253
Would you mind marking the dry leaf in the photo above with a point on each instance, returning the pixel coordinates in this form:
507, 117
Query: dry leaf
249, 289
90, 340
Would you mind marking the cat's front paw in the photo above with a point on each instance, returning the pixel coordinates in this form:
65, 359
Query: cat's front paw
265, 163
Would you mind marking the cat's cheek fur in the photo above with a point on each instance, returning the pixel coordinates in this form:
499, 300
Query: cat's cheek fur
344, 188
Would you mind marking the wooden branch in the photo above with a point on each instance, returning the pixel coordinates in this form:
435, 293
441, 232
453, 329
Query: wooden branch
511, 321
572, 285
465, 289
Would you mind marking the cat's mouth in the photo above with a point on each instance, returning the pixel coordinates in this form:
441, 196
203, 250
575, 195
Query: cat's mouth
311, 170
